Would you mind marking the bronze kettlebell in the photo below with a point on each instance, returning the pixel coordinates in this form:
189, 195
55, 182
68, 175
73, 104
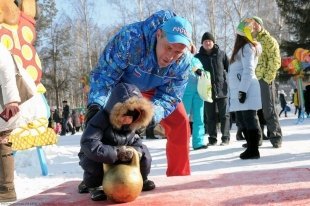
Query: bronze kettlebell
123, 182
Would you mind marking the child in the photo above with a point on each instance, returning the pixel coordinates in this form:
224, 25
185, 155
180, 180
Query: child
108, 132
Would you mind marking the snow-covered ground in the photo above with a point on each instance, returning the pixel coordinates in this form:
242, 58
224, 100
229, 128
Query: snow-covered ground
63, 161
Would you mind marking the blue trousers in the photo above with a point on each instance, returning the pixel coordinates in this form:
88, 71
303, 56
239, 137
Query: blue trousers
194, 107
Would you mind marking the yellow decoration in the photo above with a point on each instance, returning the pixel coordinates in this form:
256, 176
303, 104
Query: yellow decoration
7, 41
27, 34
33, 134
26, 52
32, 71
41, 89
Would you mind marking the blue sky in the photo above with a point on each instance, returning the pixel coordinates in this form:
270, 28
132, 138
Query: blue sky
103, 12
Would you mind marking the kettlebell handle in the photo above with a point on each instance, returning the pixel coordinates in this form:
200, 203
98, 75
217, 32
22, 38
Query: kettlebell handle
134, 162
135, 158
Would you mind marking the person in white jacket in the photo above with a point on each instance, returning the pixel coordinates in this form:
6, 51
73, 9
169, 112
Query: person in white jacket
244, 89
9, 107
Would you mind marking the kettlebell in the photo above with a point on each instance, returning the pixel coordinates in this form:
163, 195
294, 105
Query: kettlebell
123, 182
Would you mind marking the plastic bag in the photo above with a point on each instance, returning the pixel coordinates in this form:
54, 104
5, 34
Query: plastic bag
204, 87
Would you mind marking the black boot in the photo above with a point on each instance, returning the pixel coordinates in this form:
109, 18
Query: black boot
212, 141
97, 194
148, 185
82, 188
253, 137
260, 141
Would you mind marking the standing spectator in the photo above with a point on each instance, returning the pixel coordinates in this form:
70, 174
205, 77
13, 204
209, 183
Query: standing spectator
75, 120
282, 103
56, 116
307, 100
194, 106
82, 119
155, 55
9, 99
245, 98
216, 62
268, 64
295, 101
65, 118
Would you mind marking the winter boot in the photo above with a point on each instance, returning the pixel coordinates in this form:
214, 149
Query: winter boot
97, 194
212, 141
7, 190
260, 141
225, 141
82, 188
148, 185
253, 137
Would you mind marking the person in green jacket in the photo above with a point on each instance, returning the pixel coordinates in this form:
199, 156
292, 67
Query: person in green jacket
268, 64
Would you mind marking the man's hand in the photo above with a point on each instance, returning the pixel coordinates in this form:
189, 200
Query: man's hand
198, 72
242, 97
124, 154
91, 111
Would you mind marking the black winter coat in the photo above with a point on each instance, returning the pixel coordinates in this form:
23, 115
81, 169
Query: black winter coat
103, 134
217, 64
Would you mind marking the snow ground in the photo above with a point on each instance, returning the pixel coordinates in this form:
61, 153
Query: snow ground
63, 161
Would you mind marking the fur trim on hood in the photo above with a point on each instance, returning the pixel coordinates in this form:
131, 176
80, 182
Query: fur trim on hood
141, 104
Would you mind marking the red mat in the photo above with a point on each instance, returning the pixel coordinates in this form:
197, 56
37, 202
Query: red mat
268, 187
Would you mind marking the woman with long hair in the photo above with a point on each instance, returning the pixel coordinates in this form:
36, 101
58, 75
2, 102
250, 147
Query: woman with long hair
244, 89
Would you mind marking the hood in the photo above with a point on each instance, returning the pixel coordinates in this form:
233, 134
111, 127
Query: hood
127, 97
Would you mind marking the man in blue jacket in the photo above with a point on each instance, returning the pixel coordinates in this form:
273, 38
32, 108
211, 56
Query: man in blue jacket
154, 55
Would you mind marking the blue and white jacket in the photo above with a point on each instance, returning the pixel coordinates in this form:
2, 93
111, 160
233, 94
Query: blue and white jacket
130, 57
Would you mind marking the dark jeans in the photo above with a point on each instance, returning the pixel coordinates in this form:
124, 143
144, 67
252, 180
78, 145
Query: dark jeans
218, 106
64, 126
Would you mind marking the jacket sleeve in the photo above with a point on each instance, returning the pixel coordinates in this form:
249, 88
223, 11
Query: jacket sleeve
91, 141
110, 68
248, 56
273, 59
270, 60
225, 62
9, 88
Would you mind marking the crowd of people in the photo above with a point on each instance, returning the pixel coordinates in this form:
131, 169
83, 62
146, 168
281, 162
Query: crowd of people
67, 121
144, 75
158, 58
